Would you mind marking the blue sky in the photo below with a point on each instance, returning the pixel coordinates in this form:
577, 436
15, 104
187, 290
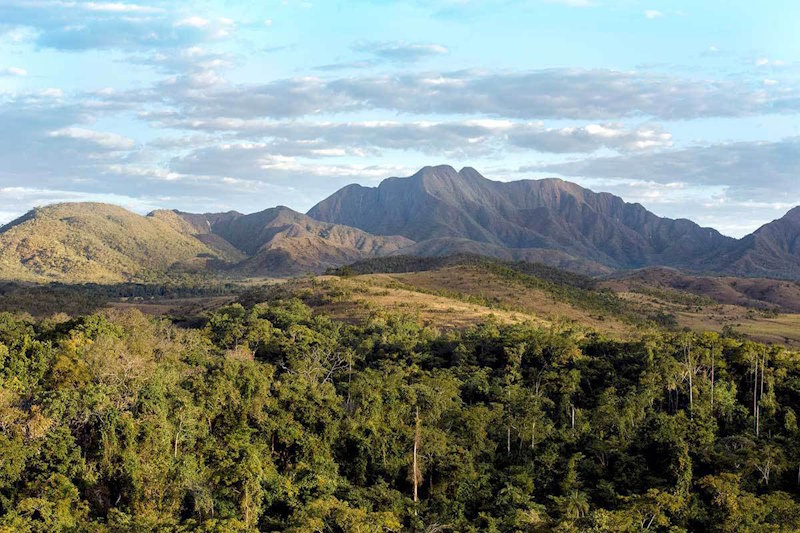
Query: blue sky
688, 107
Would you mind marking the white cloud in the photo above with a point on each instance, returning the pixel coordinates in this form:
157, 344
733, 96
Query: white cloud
109, 141
751, 171
767, 62
193, 22
118, 7
557, 93
13, 71
401, 51
467, 138
15, 201
572, 3
653, 14
51, 92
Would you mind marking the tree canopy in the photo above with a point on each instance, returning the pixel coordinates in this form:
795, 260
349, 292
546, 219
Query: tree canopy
273, 418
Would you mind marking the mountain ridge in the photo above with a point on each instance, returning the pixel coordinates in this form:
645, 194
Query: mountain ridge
93, 242
282, 241
437, 211
551, 213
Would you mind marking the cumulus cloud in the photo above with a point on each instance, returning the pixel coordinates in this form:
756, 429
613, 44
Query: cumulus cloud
81, 25
752, 171
13, 71
26, 198
213, 142
248, 168
590, 138
543, 94
104, 140
191, 62
46, 140
115, 7
455, 138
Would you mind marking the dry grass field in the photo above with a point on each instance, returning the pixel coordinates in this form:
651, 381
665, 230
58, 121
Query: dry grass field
762, 326
455, 297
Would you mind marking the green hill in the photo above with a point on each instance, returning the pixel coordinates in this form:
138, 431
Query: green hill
93, 242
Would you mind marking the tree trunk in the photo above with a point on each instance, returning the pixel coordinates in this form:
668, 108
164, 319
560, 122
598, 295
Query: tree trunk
349, 377
713, 358
415, 467
177, 435
691, 389
755, 395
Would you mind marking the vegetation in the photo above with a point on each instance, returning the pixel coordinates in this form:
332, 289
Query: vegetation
269, 417
574, 289
100, 243
410, 263
45, 299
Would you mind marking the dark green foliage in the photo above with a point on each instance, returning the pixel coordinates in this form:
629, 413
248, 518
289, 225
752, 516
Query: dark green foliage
410, 263
46, 299
664, 319
272, 418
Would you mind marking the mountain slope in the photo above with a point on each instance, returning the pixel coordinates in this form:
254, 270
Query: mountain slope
773, 250
280, 241
441, 203
436, 212
92, 242
748, 292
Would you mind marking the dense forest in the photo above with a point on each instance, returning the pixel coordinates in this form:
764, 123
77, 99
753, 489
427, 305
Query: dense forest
272, 418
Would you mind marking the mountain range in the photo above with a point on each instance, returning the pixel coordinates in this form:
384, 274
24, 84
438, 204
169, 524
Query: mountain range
438, 211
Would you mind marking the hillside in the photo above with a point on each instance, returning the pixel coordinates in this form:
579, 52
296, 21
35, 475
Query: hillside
759, 293
575, 224
437, 212
91, 242
765, 310
280, 241
100, 243
773, 250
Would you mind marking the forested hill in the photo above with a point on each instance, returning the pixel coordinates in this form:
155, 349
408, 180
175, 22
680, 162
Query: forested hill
273, 418
410, 263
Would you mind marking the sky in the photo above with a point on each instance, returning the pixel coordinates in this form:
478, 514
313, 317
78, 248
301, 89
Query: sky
689, 107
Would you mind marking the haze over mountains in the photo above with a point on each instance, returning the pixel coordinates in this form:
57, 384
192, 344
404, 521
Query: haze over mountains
437, 211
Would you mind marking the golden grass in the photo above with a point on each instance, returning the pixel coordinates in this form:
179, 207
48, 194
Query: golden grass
503, 293
781, 329
367, 294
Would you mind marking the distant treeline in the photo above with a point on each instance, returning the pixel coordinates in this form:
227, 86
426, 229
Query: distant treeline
46, 299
